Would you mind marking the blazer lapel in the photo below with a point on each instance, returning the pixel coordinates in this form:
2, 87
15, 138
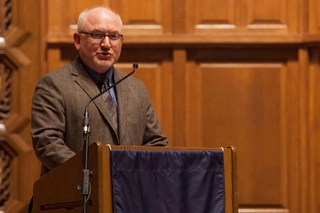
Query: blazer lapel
90, 88
122, 90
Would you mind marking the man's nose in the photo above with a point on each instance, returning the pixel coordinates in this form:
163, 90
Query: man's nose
106, 41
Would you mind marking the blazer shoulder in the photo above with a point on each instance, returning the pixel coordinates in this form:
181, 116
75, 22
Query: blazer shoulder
71, 68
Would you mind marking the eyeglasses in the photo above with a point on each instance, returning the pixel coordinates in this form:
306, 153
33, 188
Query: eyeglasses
101, 35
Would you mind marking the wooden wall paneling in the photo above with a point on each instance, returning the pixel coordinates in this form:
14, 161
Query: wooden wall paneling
303, 17
167, 101
145, 17
231, 17
12, 144
10, 201
22, 48
292, 135
247, 114
271, 16
59, 55
244, 103
43, 27
54, 56
62, 15
193, 102
180, 20
304, 126
179, 98
314, 16
314, 132
55, 23
139, 17
211, 16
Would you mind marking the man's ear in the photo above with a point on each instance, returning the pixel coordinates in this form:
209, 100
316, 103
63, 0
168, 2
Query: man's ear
76, 40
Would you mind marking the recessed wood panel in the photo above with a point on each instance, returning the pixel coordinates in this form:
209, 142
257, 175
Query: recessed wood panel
280, 17
139, 17
146, 17
248, 99
266, 14
211, 15
256, 17
62, 15
242, 105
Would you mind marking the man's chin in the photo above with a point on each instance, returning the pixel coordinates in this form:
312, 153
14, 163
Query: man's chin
103, 65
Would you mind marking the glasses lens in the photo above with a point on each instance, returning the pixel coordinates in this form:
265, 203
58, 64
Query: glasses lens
101, 35
114, 36
97, 35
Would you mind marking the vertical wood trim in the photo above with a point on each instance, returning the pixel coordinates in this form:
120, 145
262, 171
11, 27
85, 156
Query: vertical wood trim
194, 116
167, 100
303, 129
179, 17
314, 119
303, 20
293, 134
312, 12
284, 136
43, 38
179, 88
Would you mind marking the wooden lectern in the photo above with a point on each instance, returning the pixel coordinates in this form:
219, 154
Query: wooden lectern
58, 192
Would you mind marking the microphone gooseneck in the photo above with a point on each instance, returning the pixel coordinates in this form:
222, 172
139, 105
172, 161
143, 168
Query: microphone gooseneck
86, 132
86, 127
135, 66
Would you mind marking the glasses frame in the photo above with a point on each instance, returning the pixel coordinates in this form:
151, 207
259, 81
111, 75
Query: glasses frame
101, 36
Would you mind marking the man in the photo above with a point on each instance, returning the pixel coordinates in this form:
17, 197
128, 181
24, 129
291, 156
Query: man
61, 96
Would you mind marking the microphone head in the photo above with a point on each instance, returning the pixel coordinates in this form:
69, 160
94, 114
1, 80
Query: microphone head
135, 66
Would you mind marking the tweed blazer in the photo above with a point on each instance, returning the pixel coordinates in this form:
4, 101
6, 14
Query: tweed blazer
58, 109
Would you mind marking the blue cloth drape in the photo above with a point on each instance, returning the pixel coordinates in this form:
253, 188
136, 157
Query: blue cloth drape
167, 181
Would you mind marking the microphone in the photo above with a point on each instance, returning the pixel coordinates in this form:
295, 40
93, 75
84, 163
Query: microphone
86, 132
86, 127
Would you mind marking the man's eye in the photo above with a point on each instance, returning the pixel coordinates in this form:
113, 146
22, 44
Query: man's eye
97, 35
113, 36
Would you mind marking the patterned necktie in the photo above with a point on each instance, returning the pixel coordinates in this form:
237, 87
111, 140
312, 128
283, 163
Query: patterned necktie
109, 102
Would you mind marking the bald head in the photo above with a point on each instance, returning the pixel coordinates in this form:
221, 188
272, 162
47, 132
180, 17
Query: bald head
95, 13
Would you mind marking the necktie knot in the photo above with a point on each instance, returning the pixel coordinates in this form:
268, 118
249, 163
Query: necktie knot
104, 79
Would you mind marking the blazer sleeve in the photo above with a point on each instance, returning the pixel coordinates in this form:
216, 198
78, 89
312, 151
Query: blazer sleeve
48, 124
153, 135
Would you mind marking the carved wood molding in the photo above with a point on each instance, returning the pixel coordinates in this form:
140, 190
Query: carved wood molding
12, 145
